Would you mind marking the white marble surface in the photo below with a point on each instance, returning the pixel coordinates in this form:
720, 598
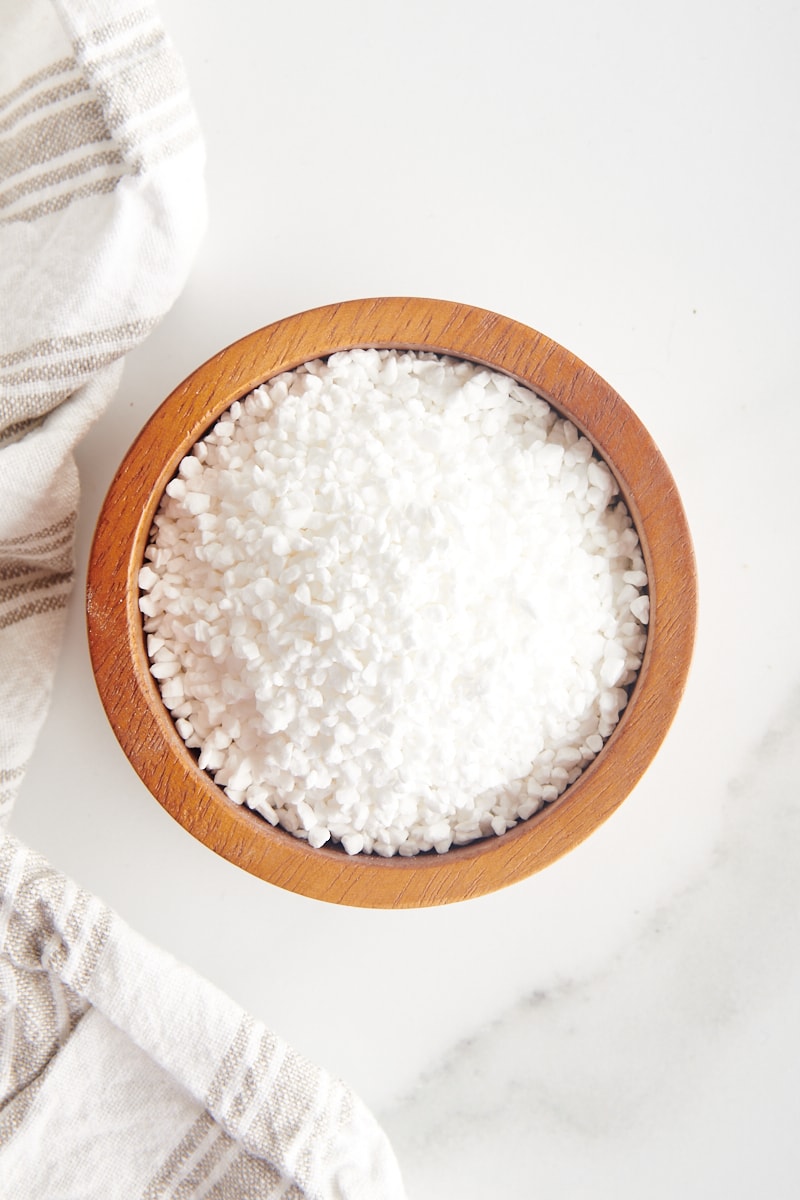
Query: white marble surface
623, 177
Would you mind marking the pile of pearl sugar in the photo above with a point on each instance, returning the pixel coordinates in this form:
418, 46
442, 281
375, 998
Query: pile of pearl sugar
393, 600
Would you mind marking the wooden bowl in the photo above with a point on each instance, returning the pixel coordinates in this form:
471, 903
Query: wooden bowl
145, 728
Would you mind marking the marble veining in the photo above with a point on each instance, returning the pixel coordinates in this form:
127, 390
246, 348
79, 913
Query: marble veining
595, 1071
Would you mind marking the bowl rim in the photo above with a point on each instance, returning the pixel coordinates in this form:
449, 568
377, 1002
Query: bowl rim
144, 727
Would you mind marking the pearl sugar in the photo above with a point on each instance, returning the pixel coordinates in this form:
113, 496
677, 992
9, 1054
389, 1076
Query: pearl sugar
393, 601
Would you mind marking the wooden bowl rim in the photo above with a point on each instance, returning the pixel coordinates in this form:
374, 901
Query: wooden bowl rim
144, 727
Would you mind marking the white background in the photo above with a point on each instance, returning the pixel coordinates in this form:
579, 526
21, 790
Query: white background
623, 177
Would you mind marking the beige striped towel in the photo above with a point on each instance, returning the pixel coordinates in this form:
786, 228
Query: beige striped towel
122, 1074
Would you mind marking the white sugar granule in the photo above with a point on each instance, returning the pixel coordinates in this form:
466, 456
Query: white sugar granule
393, 600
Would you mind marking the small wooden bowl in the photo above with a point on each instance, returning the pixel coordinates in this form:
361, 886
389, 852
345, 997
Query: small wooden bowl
145, 728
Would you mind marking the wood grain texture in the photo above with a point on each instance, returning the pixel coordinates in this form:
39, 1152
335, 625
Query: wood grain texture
144, 727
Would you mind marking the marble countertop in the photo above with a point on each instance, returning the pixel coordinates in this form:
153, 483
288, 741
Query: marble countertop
623, 178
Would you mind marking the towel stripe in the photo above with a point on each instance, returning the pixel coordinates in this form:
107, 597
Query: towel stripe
230, 1065
71, 171
20, 568
35, 608
60, 530
102, 34
76, 368
127, 334
135, 40
40, 583
213, 1165
31, 82
202, 1131
37, 379
8, 1025
8, 773
73, 126
19, 429
57, 203
261, 1081
122, 115
14, 874
61, 91
244, 1176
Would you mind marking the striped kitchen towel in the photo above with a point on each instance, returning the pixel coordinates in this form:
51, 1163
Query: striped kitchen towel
122, 1074
100, 214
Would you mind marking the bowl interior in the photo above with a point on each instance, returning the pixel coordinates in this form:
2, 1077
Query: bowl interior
145, 728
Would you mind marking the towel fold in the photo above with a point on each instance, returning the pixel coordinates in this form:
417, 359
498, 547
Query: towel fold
122, 1073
